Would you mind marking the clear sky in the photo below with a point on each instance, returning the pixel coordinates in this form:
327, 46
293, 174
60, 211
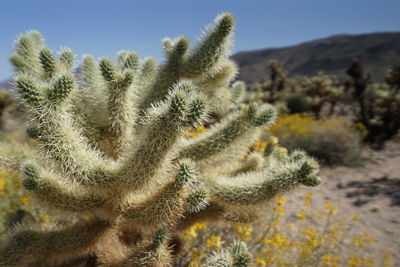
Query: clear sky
102, 28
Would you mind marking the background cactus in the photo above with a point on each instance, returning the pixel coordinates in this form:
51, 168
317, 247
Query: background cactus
115, 156
298, 94
379, 103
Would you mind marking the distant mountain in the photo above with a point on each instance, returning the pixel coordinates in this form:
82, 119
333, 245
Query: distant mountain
377, 52
6, 84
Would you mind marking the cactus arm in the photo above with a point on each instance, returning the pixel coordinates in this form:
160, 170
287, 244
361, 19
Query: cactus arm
48, 62
220, 78
197, 201
253, 162
167, 205
213, 46
25, 59
158, 139
61, 139
238, 91
201, 61
28, 246
253, 188
120, 116
161, 209
236, 132
67, 58
155, 254
147, 72
92, 91
127, 61
235, 256
168, 74
49, 191
29, 90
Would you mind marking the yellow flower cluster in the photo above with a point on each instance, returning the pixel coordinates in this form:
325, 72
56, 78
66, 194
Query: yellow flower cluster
297, 124
194, 132
214, 242
259, 146
244, 231
314, 238
192, 231
334, 140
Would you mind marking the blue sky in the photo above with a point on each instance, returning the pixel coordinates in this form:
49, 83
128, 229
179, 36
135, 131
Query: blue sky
102, 28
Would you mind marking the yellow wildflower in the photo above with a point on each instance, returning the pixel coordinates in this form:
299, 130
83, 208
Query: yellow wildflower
279, 211
279, 240
24, 199
280, 201
214, 242
357, 242
354, 261
195, 257
301, 215
200, 226
195, 132
191, 231
307, 199
329, 208
2, 183
326, 260
355, 218
259, 145
45, 218
244, 231
261, 262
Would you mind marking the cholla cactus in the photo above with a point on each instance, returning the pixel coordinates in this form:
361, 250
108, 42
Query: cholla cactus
299, 94
271, 91
236, 256
320, 90
115, 156
379, 104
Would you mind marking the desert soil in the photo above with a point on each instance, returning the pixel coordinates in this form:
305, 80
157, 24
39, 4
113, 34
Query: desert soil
371, 191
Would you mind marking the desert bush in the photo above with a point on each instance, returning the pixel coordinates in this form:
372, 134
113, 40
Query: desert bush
333, 140
123, 158
6, 100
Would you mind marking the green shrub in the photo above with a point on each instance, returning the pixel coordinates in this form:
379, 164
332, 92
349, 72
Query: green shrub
333, 141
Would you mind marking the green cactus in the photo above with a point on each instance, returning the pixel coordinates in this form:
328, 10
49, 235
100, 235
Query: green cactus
320, 90
299, 94
115, 155
235, 256
379, 103
271, 91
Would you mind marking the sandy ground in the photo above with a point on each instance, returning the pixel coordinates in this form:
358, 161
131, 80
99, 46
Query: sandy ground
371, 191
